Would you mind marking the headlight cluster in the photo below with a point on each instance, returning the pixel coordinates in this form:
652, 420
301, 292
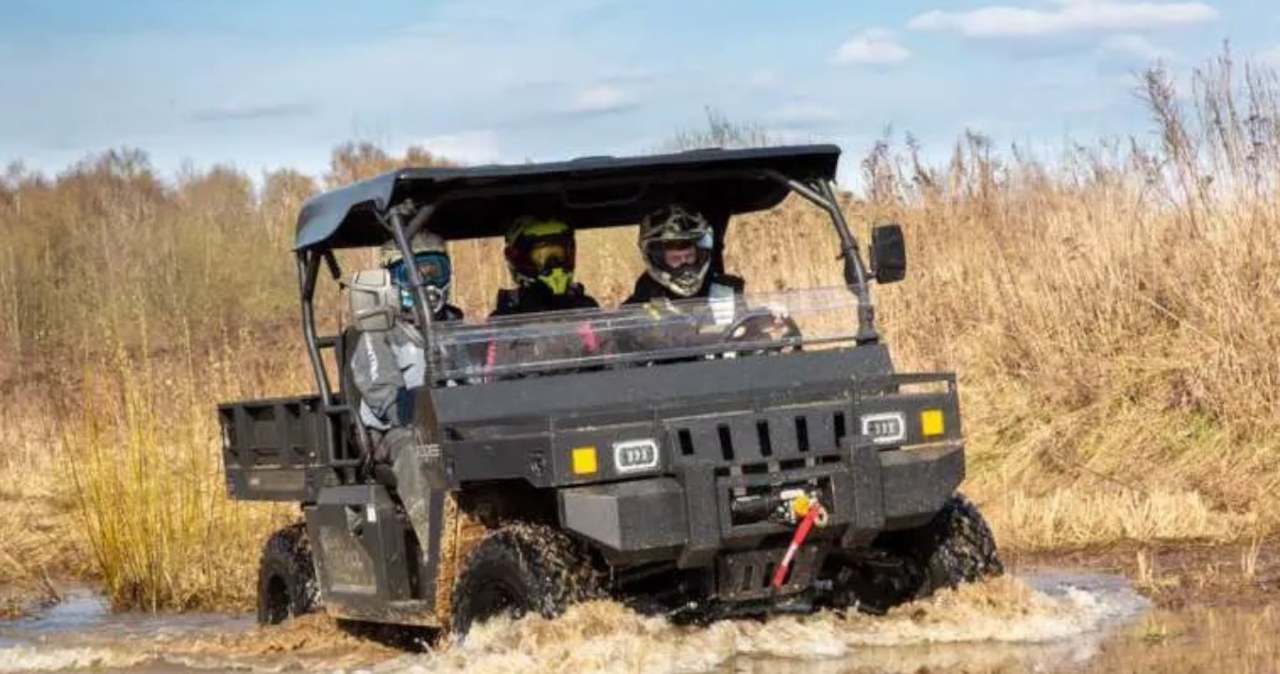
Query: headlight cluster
629, 456
890, 428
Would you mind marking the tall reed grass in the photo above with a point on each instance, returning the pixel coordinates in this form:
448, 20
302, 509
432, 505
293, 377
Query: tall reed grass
1113, 313
141, 462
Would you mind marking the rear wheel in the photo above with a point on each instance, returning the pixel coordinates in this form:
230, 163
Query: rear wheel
519, 569
955, 547
287, 585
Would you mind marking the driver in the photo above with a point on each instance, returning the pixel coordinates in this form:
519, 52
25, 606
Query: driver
387, 364
677, 243
540, 256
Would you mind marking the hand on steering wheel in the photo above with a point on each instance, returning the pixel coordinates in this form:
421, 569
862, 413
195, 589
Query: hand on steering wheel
765, 324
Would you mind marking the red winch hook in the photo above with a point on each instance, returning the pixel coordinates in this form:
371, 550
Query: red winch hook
813, 513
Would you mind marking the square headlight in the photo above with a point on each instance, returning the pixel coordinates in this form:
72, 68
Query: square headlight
885, 428
633, 456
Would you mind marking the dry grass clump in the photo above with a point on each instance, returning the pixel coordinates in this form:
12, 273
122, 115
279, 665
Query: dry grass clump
1080, 517
144, 479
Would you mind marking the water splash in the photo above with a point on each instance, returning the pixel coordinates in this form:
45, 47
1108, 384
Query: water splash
1045, 618
1010, 623
26, 658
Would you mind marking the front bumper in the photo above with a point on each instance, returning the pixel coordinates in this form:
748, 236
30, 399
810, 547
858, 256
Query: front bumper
703, 509
688, 518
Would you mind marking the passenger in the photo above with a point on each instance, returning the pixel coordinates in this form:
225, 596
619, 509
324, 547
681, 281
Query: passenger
387, 364
677, 243
540, 256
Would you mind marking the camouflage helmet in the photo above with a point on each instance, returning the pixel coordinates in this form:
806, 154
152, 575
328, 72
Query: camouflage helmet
670, 227
422, 242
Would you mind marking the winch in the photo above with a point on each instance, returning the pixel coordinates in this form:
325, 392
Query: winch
788, 507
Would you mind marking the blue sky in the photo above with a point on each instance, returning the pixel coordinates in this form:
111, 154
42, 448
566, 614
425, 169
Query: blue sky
262, 84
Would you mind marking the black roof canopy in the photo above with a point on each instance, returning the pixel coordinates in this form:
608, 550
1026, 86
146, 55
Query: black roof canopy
478, 202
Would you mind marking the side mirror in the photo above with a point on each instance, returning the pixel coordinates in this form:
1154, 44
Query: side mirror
888, 253
375, 300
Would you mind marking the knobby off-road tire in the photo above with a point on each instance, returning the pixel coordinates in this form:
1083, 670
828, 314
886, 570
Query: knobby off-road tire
521, 568
955, 547
287, 585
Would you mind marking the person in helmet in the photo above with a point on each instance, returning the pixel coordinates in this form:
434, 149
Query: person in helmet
676, 243
540, 256
435, 269
386, 365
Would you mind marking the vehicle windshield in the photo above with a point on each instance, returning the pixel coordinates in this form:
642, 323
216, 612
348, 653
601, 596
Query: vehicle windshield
645, 334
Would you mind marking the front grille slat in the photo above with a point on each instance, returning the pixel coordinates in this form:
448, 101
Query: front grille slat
780, 436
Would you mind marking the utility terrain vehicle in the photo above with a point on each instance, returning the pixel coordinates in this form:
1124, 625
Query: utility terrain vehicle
732, 455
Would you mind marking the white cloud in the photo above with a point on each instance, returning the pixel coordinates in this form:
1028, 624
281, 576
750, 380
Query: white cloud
1130, 47
600, 100
804, 113
1269, 57
478, 146
876, 46
1071, 16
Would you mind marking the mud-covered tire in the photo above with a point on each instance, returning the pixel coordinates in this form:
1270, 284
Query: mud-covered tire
287, 585
518, 569
953, 548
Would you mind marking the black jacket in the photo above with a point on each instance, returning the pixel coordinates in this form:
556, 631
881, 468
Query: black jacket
647, 289
448, 312
537, 297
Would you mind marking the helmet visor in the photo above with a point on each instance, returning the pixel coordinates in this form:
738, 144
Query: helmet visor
537, 256
433, 268
679, 255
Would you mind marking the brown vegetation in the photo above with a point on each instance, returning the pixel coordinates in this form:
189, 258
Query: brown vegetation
1114, 315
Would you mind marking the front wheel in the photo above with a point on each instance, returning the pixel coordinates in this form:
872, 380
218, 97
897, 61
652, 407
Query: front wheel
953, 548
287, 585
956, 547
518, 569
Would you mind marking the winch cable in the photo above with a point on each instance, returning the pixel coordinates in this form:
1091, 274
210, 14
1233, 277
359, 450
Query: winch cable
814, 512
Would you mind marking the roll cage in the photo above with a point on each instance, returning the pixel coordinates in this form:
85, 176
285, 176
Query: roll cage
594, 192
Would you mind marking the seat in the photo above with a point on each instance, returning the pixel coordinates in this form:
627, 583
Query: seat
380, 472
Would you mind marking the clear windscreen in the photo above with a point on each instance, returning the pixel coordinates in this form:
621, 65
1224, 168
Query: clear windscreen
727, 325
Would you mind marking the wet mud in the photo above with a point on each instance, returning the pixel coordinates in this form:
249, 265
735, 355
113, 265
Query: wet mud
1178, 575
81, 634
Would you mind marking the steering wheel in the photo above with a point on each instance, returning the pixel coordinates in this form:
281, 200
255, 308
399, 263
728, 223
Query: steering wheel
759, 324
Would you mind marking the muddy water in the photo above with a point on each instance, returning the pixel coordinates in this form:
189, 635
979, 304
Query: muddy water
1043, 622
80, 634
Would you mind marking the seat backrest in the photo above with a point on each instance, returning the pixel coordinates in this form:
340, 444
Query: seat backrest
351, 394
379, 472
